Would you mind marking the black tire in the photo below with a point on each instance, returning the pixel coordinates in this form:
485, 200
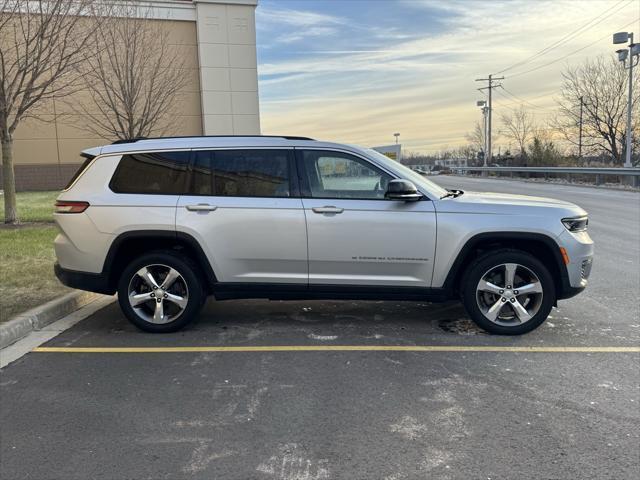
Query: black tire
191, 278
486, 263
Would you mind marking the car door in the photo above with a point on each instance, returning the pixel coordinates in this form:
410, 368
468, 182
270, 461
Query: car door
244, 208
355, 235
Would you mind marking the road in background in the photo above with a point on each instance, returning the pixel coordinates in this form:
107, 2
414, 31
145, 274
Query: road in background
370, 415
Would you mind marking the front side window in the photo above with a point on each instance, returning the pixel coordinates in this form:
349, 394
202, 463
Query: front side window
340, 175
241, 173
160, 173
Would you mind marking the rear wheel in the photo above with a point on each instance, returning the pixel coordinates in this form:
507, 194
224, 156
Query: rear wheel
508, 292
160, 292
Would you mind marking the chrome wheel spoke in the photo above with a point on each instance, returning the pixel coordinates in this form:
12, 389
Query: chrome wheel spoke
178, 300
493, 312
158, 314
533, 287
485, 286
521, 312
137, 299
509, 274
146, 275
171, 277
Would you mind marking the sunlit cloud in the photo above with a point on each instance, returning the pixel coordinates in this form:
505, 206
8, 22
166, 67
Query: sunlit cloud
410, 66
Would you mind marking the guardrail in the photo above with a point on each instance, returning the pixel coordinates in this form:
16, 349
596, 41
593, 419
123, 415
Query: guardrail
600, 173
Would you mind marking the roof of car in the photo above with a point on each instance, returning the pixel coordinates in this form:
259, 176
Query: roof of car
175, 143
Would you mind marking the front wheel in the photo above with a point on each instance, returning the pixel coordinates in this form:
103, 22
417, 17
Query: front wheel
160, 292
508, 292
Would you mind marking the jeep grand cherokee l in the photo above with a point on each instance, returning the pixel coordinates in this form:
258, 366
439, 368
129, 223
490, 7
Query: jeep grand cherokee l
166, 222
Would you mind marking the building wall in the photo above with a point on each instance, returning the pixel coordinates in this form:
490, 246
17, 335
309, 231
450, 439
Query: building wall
216, 39
228, 68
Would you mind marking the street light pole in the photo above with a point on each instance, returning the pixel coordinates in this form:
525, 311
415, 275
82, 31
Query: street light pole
627, 160
634, 51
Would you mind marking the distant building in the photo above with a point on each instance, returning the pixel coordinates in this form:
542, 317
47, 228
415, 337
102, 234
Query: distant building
451, 162
221, 96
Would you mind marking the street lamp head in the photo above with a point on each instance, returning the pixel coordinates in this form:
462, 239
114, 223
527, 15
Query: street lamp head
635, 49
622, 54
620, 37
481, 103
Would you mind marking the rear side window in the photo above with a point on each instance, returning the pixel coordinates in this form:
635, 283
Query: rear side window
159, 173
82, 168
241, 173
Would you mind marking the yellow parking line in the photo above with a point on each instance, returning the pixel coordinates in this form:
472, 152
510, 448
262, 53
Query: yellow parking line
340, 348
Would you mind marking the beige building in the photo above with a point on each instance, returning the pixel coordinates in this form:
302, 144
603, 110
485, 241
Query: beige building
218, 38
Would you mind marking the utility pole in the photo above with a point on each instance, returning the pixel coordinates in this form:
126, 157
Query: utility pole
580, 136
490, 86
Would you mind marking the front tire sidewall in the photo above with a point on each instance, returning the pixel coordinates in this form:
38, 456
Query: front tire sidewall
188, 272
485, 263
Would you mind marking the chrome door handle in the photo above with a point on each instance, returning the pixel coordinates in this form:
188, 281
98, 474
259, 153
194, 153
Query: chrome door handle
201, 207
327, 209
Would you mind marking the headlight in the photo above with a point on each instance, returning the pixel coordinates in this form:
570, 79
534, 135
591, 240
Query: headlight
576, 224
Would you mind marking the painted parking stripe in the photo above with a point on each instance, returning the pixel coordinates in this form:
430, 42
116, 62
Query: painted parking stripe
340, 348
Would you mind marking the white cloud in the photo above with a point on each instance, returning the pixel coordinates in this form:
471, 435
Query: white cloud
424, 87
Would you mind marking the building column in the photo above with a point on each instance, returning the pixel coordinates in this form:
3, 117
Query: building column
226, 36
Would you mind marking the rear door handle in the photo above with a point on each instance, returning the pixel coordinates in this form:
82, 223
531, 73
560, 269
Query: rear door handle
327, 209
201, 207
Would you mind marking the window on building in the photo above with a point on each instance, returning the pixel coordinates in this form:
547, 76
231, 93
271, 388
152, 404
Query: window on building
241, 173
160, 173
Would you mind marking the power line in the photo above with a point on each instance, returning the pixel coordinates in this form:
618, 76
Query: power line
522, 100
569, 54
570, 35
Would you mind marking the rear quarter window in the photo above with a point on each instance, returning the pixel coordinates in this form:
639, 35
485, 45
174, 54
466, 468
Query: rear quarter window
82, 168
159, 173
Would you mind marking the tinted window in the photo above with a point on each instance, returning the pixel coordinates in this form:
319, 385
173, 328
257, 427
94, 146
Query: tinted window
241, 173
161, 173
340, 175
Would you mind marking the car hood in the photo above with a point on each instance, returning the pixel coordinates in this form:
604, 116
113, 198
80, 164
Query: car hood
488, 202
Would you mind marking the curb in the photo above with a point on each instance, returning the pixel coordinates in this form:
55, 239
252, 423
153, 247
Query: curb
43, 315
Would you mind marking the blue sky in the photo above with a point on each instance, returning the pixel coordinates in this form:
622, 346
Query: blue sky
360, 70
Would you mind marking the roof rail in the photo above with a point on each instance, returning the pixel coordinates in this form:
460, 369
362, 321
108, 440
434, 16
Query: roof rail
125, 140
286, 137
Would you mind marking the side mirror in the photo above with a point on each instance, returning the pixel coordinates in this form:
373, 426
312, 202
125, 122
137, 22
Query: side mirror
401, 189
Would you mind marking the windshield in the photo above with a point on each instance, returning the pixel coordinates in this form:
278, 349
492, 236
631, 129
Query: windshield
434, 189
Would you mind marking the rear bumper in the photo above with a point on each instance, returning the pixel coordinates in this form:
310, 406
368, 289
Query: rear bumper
91, 282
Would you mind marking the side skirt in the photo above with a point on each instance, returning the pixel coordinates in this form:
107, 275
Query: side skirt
231, 291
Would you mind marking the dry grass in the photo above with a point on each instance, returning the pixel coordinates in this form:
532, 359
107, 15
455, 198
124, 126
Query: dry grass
26, 257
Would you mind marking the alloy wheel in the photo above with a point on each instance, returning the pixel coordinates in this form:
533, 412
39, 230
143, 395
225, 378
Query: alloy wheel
158, 294
509, 294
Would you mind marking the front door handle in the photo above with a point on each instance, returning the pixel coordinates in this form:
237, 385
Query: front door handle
327, 209
201, 207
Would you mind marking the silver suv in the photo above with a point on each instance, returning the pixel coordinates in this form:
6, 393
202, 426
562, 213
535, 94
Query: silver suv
167, 222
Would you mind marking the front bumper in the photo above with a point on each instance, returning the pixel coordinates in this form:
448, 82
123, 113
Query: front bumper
579, 248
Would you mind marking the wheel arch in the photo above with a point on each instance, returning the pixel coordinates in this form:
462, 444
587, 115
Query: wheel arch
126, 246
545, 248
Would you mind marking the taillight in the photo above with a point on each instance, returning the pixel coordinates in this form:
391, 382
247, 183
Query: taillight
71, 207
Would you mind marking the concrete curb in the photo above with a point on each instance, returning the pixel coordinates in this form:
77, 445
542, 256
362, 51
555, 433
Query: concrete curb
43, 315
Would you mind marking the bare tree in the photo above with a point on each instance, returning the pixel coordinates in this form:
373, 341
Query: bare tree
600, 85
133, 76
40, 48
476, 138
519, 126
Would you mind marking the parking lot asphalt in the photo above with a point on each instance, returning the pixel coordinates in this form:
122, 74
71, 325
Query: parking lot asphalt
460, 412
